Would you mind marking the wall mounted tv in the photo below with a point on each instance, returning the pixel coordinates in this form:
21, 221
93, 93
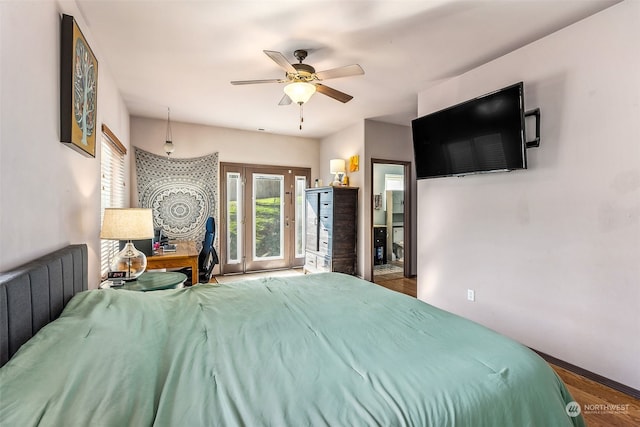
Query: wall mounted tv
485, 134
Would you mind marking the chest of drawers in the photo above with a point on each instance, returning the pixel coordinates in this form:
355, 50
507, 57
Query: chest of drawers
331, 229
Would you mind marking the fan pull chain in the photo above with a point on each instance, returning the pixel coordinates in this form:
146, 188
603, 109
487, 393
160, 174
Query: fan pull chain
301, 117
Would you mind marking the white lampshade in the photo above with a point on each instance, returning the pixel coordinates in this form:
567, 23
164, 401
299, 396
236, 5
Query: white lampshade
127, 224
337, 166
299, 92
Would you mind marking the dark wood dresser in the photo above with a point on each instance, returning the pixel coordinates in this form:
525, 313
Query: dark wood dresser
331, 229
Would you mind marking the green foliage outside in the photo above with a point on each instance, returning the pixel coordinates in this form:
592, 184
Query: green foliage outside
267, 227
232, 207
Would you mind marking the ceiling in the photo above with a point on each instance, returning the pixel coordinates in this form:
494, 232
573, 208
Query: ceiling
183, 54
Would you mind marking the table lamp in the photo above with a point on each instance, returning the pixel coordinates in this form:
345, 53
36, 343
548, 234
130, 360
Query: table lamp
337, 167
128, 224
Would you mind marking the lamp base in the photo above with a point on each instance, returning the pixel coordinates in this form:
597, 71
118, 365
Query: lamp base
131, 261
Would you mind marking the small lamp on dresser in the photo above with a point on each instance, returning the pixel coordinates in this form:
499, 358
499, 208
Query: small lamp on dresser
337, 167
128, 224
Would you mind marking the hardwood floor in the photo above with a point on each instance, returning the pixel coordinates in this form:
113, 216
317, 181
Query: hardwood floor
601, 406
397, 282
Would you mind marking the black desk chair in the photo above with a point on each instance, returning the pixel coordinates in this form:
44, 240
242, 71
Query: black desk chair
208, 257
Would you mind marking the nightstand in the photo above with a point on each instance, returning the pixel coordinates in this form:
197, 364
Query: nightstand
151, 281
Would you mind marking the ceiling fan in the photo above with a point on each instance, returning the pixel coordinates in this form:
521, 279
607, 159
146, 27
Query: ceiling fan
303, 80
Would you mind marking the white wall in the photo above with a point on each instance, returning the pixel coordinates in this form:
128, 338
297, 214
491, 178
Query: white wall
553, 252
49, 194
342, 145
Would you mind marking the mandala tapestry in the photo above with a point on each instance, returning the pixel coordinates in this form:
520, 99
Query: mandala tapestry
181, 192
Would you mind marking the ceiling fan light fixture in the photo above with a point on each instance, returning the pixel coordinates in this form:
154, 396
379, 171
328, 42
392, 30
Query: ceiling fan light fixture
300, 92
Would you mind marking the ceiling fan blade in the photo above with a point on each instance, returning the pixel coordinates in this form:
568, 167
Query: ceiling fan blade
251, 82
346, 71
281, 60
285, 100
333, 93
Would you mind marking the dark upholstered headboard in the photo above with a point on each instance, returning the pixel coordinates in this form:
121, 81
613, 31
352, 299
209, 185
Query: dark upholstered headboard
34, 294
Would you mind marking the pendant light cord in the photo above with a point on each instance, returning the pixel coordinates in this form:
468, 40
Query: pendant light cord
168, 143
301, 117
169, 136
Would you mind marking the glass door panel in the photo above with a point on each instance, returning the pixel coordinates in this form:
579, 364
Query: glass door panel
234, 220
268, 212
267, 222
231, 224
300, 185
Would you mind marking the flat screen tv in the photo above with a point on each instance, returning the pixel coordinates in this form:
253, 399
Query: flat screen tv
485, 134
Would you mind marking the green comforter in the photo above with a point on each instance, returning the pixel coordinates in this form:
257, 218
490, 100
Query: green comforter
324, 349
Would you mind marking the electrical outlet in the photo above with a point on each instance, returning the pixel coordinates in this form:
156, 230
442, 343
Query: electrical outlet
471, 295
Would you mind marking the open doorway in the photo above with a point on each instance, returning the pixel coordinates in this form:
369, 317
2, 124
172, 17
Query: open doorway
390, 208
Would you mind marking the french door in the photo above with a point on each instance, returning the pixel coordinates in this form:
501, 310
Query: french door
262, 221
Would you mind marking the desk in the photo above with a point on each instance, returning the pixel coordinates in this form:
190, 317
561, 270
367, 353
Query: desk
185, 255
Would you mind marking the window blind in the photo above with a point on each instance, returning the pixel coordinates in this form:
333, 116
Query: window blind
112, 193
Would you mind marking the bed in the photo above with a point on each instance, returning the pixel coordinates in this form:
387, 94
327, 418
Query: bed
320, 349
35, 293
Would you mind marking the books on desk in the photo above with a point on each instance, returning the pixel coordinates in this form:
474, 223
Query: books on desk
169, 247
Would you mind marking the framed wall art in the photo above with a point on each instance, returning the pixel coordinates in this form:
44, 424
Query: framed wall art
354, 163
78, 90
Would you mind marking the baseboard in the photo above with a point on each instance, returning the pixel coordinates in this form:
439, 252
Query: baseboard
590, 375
